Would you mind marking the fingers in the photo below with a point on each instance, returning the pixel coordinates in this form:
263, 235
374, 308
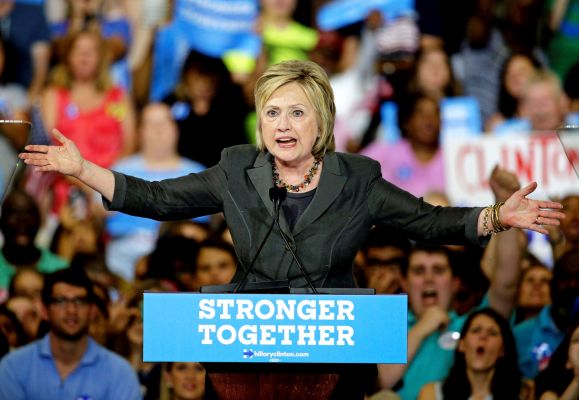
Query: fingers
37, 148
59, 136
530, 188
553, 215
538, 228
550, 204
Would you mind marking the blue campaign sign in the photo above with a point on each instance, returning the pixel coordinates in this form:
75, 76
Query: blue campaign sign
275, 328
216, 26
339, 13
460, 117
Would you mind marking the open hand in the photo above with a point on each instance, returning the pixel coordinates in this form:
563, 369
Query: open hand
65, 159
521, 212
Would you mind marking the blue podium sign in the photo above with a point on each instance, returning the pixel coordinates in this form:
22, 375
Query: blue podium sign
275, 328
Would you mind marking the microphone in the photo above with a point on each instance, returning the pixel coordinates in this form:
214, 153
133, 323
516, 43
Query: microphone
277, 195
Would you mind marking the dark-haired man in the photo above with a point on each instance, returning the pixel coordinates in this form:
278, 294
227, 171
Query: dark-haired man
67, 363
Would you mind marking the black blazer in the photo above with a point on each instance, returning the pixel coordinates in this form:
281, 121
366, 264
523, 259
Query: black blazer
351, 197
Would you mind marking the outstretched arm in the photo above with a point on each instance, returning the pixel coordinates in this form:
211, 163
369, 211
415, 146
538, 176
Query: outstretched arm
520, 212
67, 160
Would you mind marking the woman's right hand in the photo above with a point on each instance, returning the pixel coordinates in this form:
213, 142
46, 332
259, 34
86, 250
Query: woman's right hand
65, 158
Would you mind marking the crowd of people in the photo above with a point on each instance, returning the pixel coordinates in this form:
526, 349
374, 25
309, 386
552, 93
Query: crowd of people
492, 322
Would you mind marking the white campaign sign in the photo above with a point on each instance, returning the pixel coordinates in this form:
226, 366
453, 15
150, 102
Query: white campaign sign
537, 157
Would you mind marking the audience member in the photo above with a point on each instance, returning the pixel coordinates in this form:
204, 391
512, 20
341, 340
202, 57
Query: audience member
485, 362
26, 38
560, 380
209, 109
133, 237
82, 103
91, 15
477, 65
11, 328
216, 262
415, 162
534, 291
432, 74
283, 37
19, 224
173, 260
544, 102
516, 72
28, 283
183, 381
538, 337
383, 256
28, 314
520, 26
77, 231
67, 363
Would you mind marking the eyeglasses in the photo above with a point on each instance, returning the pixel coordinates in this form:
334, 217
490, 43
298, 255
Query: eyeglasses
64, 301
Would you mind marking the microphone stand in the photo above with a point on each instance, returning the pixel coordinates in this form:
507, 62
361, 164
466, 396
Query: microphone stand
282, 195
274, 195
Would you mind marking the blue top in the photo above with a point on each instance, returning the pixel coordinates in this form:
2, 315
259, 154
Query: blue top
30, 373
432, 361
435, 356
537, 338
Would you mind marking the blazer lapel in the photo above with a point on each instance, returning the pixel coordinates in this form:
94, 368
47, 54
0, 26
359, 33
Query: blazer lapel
262, 178
331, 183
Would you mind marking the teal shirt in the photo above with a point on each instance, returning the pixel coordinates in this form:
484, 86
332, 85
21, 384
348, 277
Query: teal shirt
536, 338
48, 262
432, 362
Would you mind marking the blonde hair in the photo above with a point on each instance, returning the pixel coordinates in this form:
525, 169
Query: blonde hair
315, 84
61, 74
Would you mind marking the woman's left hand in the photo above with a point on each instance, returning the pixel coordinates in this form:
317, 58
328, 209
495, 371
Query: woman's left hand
520, 212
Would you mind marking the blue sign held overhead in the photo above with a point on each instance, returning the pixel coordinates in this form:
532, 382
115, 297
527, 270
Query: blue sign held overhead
275, 328
339, 13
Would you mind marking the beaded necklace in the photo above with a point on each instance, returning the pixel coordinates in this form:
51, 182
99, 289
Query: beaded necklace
295, 188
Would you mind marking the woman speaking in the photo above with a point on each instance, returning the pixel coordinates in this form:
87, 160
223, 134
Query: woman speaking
333, 199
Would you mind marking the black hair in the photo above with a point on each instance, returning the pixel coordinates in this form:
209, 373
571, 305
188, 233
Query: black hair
432, 249
507, 104
71, 276
382, 236
218, 243
407, 105
11, 203
506, 380
18, 328
556, 377
173, 254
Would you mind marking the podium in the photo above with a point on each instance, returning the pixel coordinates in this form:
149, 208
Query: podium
278, 346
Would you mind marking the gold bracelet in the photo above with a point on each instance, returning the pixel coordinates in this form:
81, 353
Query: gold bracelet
495, 220
486, 230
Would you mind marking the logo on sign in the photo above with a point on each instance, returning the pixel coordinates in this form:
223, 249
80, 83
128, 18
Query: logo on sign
248, 353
